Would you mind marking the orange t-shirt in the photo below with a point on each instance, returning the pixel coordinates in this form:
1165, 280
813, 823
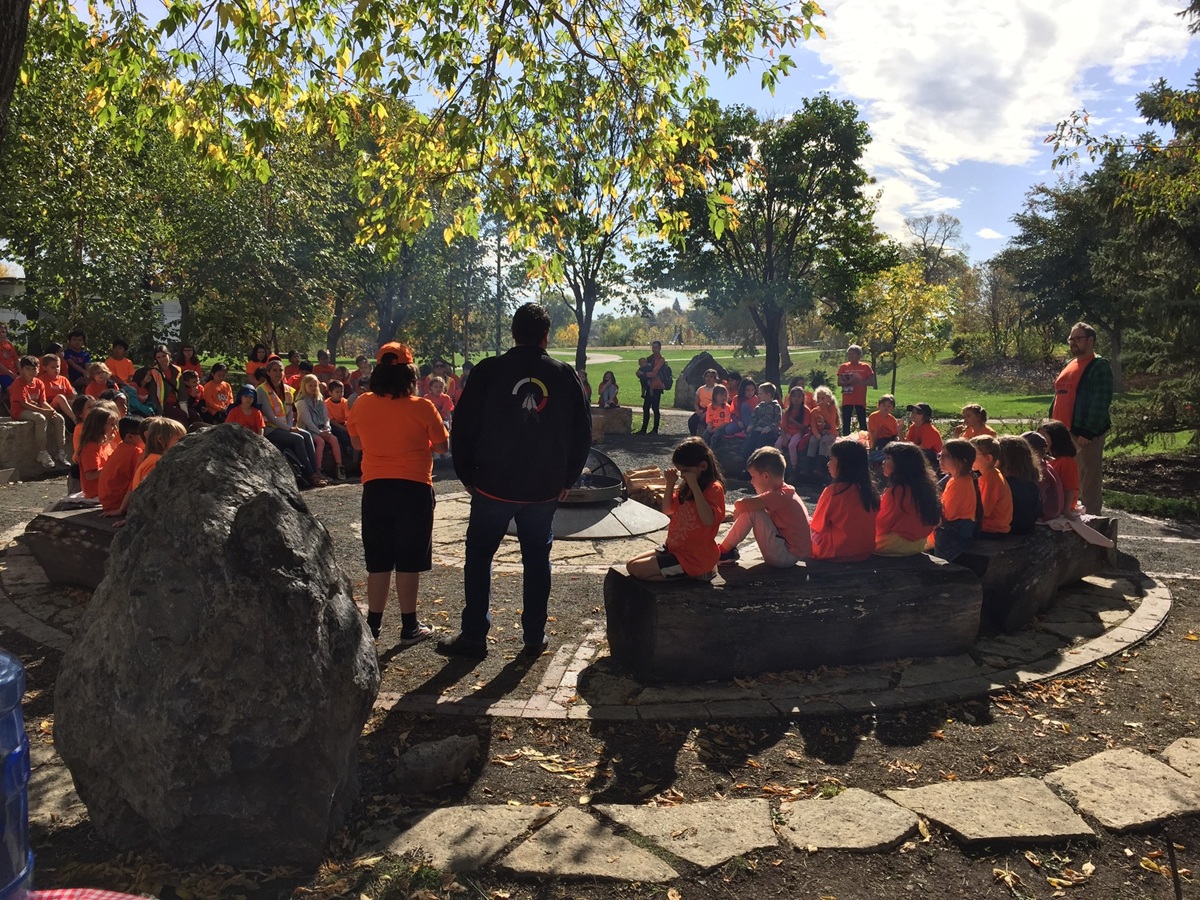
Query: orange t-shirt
824, 418
926, 436
218, 397
96, 388
881, 425
1065, 386
958, 499
442, 403
789, 423
692, 542
117, 475
92, 457
56, 387
855, 395
898, 513
252, 420
144, 468
718, 416
253, 366
122, 369
22, 390
397, 436
997, 502
337, 411
842, 528
10, 359
971, 431
324, 371
1068, 473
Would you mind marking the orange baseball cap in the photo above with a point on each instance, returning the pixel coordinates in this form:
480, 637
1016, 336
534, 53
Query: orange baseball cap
403, 354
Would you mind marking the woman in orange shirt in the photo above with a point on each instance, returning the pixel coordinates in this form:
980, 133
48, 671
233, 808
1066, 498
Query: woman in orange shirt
843, 525
398, 433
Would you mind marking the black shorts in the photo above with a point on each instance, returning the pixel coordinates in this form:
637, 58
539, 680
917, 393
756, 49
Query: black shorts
397, 525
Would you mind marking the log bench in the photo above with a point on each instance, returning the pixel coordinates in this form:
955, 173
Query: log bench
71, 546
1020, 575
610, 421
17, 450
761, 619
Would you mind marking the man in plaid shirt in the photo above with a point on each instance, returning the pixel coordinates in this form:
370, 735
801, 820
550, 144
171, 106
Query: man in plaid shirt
1082, 397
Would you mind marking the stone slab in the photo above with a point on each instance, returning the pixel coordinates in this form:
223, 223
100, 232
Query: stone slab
1024, 646
854, 820
1074, 631
463, 838
1124, 789
939, 669
574, 845
1184, 756
1021, 810
707, 834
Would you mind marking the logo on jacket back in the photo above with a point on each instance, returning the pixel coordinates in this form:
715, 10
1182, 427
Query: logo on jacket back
532, 394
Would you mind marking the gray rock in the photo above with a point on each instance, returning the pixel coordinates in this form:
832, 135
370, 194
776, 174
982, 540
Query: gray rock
464, 838
1125, 789
1021, 810
938, 670
706, 834
574, 845
426, 767
212, 703
1024, 646
1074, 631
1184, 756
855, 820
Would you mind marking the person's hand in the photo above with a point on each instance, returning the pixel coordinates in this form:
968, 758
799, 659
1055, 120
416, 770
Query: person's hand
670, 475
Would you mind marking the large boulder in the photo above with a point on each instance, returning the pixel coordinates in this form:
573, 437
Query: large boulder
212, 703
692, 377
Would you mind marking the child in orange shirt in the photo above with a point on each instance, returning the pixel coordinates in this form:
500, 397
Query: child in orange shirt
718, 415
824, 420
909, 509
59, 392
117, 474
191, 397
98, 380
187, 360
338, 409
793, 427
1062, 461
440, 399
923, 432
993, 489
776, 515
974, 423
843, 524
119, 363
161, 435
244, 412
881, 424
218, 396
697, 510
962, 507
95, 447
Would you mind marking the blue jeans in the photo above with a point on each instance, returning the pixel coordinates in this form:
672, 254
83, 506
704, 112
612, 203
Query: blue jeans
485, 530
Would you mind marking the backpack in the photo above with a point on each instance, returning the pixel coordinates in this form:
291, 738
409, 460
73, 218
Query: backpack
666, 376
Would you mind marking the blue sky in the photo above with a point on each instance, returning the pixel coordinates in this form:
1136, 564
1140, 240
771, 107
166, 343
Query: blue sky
960, 95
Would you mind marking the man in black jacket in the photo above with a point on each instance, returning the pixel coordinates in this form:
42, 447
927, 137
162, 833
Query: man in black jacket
521, 434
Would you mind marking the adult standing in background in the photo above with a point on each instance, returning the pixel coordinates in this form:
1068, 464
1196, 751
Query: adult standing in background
854, 377
520, 437
1082, 399
654, 387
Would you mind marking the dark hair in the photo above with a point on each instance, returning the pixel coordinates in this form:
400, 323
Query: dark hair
712, 372
48, 357
977, 409
76, 332
741, 388
790, 413
260, 374
110, 394
180, 359
912, 472
217, 367
28, 361
304, 365
854, 470
797, 381
78, 402
292, 353
335, 384
186, 374
254, 357
767, 460
393, 379
691, 452
530, 324
1059, 439
129, 425
322, 352
1016, 459
717, 389
120, 342
57, 348
960, 451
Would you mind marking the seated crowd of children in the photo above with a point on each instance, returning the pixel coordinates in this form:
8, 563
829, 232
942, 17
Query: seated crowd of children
937, 496
109, 422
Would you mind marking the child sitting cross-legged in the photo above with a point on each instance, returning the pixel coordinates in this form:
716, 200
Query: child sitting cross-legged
117, 475
843, 524
909, 509
993, 489
962, 507
776, 515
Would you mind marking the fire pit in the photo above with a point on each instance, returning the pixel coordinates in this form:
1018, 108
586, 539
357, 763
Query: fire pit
600, 482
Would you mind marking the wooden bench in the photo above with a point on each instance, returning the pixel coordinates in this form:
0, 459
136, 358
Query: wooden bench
1021, 575
71, 546
760, 619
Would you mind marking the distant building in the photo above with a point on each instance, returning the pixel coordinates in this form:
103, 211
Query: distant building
168, 309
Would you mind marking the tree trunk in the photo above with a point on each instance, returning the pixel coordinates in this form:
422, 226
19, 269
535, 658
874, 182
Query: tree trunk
771, 325
338, 323
591, 291
14, 30
1115, 342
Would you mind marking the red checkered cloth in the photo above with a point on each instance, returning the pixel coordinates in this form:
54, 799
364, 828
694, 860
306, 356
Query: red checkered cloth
80, 894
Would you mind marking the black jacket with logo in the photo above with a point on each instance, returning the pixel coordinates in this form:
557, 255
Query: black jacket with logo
522, 429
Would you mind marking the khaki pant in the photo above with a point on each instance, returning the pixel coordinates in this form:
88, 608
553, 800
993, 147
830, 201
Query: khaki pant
1090, 458
49, 430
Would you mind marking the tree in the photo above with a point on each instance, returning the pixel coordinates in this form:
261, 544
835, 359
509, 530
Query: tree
937, 244
791, 224
904, 315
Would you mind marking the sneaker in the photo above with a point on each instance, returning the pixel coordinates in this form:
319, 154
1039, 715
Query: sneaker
729, 557
340, 473
44, 460
461, 647
533, 651
64, 459
422, 632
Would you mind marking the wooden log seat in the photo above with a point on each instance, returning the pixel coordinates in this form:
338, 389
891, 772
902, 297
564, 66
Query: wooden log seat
1021, 575
760, 619
71, 546
610, 421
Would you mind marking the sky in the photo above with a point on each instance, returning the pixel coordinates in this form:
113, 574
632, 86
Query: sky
959, 95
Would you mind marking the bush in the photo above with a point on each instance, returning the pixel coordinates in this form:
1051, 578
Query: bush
816, 378
971, 348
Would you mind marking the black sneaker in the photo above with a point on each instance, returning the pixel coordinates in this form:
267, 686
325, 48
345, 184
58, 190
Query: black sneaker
533, 651
422, 632
460, 647
729, 557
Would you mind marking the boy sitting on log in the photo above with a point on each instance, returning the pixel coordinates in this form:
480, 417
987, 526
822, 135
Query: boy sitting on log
776, 514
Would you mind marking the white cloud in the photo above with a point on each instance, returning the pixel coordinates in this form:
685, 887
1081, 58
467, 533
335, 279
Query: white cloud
988, 234
943, 82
